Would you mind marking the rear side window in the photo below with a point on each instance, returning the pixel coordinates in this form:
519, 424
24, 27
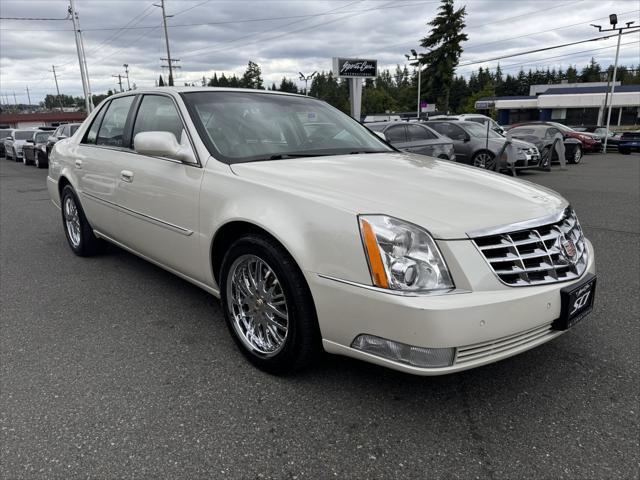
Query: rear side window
92, 134
417, 133
395, 134
111, 131
158, 113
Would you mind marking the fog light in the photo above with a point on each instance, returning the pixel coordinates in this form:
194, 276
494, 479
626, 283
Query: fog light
403, 353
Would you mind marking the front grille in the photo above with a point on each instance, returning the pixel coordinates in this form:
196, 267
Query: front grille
537, 255
478, 351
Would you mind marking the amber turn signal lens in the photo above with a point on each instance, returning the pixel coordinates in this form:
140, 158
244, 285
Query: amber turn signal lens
373, 253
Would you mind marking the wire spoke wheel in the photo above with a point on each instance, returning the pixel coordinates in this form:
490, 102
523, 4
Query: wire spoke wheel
257, 305
72, 221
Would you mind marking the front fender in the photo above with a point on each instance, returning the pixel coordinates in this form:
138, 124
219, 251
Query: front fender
320, 238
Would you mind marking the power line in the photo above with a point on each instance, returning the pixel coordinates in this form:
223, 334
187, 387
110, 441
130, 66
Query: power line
543, 31
229, 22
35, 19
595, 39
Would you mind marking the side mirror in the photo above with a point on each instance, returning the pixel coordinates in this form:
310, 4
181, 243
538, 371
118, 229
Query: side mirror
61, 137
31, 140
381, 135
466, 138
162, 144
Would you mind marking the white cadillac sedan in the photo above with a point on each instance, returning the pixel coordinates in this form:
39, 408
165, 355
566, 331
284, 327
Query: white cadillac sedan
317, 234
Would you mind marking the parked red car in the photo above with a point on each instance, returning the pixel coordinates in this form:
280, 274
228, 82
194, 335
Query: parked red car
590, 141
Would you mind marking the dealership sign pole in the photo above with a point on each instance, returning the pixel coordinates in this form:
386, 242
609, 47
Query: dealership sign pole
355, 70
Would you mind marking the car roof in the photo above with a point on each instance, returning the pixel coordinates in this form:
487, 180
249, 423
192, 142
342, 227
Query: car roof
178, 90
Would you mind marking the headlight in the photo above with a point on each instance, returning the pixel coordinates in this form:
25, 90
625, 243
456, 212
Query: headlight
403, 256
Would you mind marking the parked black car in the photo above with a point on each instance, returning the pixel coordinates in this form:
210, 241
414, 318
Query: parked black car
629, 142
35, 151
415, 138
4, 133
63, 131
543, 136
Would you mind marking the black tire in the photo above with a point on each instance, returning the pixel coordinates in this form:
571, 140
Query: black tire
302, 343
39, 163
88, 244
577, 155
624, 151
15, 156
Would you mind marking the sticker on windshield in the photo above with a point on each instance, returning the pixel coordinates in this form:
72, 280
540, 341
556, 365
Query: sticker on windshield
312, 116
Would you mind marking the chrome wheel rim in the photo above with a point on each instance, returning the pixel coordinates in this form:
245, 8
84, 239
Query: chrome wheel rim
483, 160
577, 155
257, 305
72, 221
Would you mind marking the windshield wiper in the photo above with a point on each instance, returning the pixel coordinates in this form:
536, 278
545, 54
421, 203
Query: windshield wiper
282, 156
357, 152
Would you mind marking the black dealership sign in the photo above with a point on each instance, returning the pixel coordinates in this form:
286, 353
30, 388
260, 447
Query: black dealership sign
355, 67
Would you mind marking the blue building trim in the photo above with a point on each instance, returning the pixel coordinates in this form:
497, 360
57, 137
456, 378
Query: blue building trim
545, 114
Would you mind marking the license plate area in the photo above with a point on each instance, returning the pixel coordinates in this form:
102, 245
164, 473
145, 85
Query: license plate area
576, 303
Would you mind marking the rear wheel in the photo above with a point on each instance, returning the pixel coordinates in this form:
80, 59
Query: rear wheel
484, 160
577, 155
267, 305
39, 161
76, 227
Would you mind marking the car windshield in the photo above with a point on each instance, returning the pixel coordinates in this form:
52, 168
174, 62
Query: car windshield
244, 127
580, 129
5, 133
477, 130
523, 131
24, 135
42, 137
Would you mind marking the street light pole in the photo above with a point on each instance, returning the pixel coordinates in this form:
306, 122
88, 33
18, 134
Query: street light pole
126, 72
415, 57
613, 20
306, 79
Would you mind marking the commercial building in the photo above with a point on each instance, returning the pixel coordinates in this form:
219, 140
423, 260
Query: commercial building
571, 104
40, 119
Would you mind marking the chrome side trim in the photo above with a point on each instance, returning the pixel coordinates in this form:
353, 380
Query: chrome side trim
401, 293
524, 225
170, 226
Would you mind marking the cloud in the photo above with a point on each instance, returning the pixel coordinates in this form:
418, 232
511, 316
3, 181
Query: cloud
283, 36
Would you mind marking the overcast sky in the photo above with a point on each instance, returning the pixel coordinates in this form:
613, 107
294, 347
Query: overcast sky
284, 37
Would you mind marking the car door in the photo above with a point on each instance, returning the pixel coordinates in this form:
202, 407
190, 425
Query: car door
159, 196
421, 140
97, 161
396, 135
461, 146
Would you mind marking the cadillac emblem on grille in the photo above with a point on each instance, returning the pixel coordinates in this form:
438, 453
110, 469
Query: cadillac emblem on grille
569, 249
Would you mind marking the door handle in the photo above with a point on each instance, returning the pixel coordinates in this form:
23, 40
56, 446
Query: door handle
78, 163
126, 176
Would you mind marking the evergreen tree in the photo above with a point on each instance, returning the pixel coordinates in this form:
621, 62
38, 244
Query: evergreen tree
161, 82
213, 81
223, 81
252, 77
287, 85
444, 42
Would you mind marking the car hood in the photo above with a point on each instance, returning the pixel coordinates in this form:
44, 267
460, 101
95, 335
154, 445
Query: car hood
446, 198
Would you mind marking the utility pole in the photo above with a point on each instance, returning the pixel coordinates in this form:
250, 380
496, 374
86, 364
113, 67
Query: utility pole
166, 37
55, 77
126, 71
28, 96
119, 77
84, 73
15, 100
613, 20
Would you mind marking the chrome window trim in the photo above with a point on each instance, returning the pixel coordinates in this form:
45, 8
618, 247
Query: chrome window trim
524, 225
401, 293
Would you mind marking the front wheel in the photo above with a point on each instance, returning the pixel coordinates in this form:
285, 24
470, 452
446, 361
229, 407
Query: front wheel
76, 227
267, 306
15, 156
484, 160
577, 155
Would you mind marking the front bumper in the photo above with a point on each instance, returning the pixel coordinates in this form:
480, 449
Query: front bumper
485, 321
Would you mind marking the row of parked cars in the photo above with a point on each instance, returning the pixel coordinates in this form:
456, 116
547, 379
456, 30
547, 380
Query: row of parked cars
478, 140
33, 146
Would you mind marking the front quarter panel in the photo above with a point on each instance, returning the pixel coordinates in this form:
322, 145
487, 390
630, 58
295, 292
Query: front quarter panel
321, 238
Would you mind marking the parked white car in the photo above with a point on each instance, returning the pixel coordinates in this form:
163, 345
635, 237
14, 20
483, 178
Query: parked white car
473, 117
14, 143
332, 239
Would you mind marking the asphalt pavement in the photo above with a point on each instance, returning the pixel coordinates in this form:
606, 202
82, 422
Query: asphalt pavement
113, 368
